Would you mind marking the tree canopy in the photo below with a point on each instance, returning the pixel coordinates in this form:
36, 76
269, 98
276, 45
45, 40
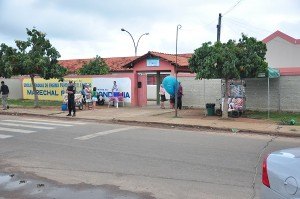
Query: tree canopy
34, 57
8, 60
231, 60
96, 66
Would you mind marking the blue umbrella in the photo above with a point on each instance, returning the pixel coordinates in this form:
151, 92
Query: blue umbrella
170, 84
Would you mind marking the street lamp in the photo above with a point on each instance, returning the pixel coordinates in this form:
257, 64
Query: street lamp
135, 44
176, 68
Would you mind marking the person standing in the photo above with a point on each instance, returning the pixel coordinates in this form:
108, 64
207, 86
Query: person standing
87, 91
162, 93
115, 87
172, 101
114, 90
71, 98
83, 95
88, 96
94, 97
179, 97
5, 91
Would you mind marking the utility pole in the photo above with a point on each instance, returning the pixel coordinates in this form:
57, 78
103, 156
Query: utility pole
176, 71
219, 28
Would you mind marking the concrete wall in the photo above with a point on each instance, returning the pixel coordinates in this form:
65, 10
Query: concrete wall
257, 94
151, 92
199, 92
290, 93
282, 53
284, 93
15, 87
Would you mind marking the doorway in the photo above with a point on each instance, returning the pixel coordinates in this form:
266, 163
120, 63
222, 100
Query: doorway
154, 80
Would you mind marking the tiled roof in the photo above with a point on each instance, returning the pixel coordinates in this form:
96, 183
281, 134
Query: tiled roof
281, 35
182, 59
117, 63
124, 63
114, 63
73, 64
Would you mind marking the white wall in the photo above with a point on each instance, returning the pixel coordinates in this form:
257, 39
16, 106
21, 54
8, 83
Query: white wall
196, 93
281, 53
15, 87
199, 92
151, 92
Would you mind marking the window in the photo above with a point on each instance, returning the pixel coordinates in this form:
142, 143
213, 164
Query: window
151, 78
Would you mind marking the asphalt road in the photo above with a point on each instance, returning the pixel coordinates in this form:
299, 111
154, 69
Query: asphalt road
134, 162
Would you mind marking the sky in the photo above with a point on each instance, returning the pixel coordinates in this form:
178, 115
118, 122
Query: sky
81, 29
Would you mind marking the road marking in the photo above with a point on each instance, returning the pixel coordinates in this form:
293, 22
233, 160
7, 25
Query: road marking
5, 136
29, 122
25, 125
15, 130
56, 121
90, 136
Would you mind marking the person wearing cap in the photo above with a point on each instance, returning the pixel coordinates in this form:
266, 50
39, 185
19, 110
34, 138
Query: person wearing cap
71, 98
5, 91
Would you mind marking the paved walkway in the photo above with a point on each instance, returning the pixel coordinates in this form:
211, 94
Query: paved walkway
153, 115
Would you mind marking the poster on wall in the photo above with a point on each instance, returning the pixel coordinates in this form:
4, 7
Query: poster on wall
51, 89
54, 90
104, 87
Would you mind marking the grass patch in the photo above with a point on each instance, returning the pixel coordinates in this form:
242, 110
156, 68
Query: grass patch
279, 117
30, 103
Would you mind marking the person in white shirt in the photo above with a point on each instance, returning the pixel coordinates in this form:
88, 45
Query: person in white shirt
115, 87
162, 93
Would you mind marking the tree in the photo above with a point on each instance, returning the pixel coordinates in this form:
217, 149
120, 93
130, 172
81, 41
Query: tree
96, 66
230, 60
34, 57
7, 61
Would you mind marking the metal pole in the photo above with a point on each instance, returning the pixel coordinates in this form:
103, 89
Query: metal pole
135, 45
268, 97
176, 71
219, 28
204, 95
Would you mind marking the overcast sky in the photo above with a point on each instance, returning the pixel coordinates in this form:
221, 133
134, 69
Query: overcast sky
86, 28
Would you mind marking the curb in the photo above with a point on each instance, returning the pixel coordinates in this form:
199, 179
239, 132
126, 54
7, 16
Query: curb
164, 125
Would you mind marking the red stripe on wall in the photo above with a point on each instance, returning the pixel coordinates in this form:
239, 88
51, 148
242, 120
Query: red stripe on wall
290, 71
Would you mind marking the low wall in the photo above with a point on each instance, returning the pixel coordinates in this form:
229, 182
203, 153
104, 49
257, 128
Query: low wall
199, 92
284, 93
15, 87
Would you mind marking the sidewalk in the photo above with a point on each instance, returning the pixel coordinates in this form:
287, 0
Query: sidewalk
153, 115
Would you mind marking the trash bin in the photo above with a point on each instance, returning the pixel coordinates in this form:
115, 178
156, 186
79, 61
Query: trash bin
64, 107
210, 108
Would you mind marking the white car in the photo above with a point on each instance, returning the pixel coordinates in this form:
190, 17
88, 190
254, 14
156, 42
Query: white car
281, 175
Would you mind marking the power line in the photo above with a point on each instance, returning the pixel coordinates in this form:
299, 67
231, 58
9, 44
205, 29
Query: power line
235, 5
238, 22
244, 27
258, 30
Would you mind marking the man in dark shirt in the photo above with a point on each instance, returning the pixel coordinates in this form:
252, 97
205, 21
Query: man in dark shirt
5, 91
71, 98
179, 96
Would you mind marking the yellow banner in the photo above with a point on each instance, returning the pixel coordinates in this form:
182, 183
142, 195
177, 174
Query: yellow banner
51, 89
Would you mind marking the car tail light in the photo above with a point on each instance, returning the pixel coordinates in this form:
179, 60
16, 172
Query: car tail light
265, 177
